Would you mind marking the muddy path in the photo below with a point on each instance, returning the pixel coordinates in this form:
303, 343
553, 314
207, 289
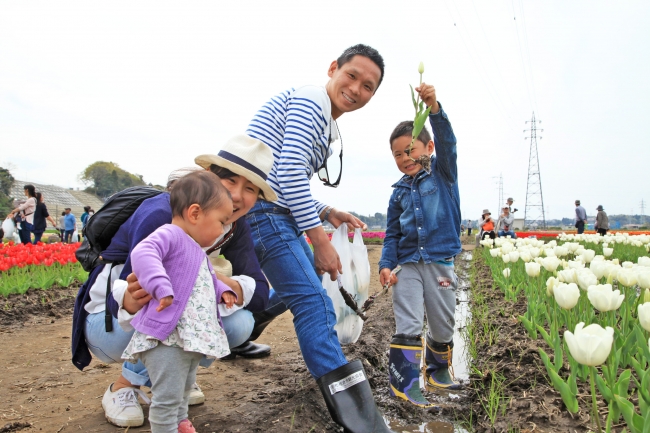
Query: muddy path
509, 366
41, 390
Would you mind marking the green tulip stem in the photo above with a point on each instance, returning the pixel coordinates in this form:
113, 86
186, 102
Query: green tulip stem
594, 406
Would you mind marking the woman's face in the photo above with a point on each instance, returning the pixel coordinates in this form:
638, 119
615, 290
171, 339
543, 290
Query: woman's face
244, 195
26, 192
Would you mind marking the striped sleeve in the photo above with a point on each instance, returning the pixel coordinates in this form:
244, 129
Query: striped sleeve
304, 141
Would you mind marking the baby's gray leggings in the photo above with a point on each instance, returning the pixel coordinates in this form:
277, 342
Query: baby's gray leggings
172, 372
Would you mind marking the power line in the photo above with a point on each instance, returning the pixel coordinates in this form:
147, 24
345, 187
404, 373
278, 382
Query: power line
488, 84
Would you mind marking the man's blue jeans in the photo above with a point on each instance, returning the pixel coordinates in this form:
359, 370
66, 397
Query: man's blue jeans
68, 236
288, 263
503, 233
108, 346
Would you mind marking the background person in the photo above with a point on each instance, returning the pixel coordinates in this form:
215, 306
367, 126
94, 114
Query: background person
26, 211
61, 226
299, 126
509, 203
89, 334
505, 223
602, 222
41, 216
487, 225
70, 225
581, 218
469, 227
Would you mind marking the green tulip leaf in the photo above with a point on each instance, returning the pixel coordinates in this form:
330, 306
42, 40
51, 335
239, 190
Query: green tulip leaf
645, 386
569, 398
642, 343
603, 388
643, 405
634, 420
640, 370
559, 357
545, 336
572, 383
623, 383
415, 104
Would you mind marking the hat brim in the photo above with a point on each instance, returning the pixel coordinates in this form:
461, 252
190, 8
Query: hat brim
206, 160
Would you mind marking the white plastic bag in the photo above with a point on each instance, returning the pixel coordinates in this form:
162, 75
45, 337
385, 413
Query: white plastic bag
356, 281
8, 227
75, 237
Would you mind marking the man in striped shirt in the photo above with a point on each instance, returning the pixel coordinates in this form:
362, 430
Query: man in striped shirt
299, 125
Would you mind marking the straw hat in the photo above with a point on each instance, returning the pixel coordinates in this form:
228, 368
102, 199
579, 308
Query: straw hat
485, 211
246, 157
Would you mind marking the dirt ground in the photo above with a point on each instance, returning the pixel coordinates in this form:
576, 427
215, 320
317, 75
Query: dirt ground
41, 390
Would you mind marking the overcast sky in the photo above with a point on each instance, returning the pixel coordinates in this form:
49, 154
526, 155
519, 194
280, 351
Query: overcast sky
151, 85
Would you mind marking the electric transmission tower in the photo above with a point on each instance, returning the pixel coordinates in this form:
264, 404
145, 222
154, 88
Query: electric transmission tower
534, 215
499, 181
642, 206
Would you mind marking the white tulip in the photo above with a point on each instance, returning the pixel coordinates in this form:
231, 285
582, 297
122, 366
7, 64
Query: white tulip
586, 278
551, 244
644, 261
598, 268
525, 256
549, 252
644, 316
567, 276
495, 252
551, 263
588, 255
566, 295
627, 265
514, 256
507, 247
603, 298
643, 279
605, 244
572, 246
506, 272
532, 269
626, 277
505, 257
615, 261
534, 252
575, 264
551, 283
590, 345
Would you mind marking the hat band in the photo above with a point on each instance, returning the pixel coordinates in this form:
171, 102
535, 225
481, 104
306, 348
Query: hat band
237, 160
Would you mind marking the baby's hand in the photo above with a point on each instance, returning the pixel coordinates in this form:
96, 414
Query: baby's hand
385, 277
164, 303
229, 299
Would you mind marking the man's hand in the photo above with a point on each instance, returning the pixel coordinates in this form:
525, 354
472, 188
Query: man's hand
135, 296
385, 277
428, 94
326, 259
228, 299
164, 303
338, 217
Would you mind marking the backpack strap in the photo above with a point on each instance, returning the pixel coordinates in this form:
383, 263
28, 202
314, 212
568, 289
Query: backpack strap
108, 318
223, 241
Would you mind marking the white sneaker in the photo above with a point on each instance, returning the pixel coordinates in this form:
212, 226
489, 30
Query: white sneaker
122, 407
196, 395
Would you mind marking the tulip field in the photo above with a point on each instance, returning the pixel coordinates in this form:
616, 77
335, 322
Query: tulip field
38, 266
588, 298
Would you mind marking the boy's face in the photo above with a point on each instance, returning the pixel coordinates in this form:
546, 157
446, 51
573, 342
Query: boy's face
400, 148
352, 85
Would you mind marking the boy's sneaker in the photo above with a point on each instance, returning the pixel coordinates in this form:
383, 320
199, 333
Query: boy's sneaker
186, 426
122, 407
196, 395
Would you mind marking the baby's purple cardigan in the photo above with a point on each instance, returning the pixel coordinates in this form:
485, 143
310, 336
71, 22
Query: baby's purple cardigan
167, 263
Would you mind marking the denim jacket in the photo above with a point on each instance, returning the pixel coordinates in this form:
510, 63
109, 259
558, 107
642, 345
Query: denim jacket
424, 211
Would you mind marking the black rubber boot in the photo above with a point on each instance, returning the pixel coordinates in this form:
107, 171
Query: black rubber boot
438, 358
262, 320
250, 349
349, 400
404, 369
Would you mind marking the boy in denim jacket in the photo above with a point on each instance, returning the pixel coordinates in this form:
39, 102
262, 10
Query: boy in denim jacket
422, 236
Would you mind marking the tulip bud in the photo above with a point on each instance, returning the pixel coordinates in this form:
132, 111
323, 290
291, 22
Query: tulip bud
644, 316
506, 272
643, 279
646, 296
532, 269
421, 68
590, 345
550, 285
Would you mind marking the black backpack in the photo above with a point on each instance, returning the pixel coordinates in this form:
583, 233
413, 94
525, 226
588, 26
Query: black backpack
103, 225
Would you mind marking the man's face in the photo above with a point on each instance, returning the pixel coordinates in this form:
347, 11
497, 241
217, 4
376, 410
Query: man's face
352, 85
67, 211
509, 202
506, 211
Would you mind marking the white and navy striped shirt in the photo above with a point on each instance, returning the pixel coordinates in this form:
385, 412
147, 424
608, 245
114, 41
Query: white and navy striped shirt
296, 125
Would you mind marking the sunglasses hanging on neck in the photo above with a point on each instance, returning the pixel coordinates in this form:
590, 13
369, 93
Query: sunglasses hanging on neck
335, 166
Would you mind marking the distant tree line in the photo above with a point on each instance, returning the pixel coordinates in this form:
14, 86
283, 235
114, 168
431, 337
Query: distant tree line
6, 201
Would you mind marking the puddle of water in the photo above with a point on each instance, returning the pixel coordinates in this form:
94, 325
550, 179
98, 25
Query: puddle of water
427, 427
